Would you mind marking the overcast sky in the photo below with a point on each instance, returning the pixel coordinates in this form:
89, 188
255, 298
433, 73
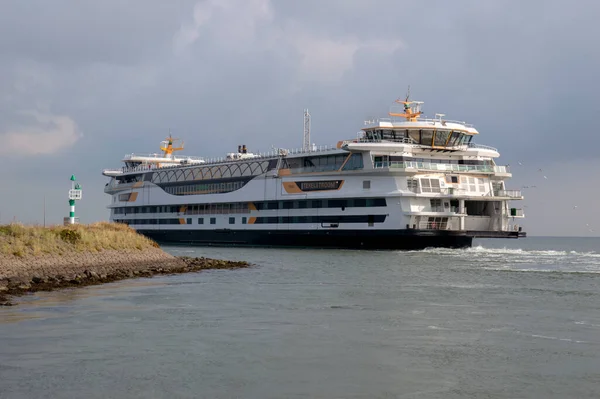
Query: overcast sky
84, 82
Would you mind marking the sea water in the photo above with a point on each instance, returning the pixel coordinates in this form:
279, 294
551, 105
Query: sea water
503, 319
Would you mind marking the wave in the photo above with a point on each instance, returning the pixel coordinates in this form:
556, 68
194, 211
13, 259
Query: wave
519, 259
505, 251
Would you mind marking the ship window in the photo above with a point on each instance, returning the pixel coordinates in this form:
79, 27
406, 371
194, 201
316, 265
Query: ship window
244, 220
360, 202
388, 134
436, 205
451, 179
426, 137
200, 220
189, 221
481, 183
413, 185
231, 220
430, 185
453, 139
355, 162
472, 186
415, 135
441, 136
213, 220
336, 203
366, 184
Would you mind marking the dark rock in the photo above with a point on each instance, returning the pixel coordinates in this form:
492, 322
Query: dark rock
37, 280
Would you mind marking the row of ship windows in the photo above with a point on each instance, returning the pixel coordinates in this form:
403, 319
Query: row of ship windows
244, 220
323, 163
434, 160
243, 207
322, 203
429, 137
370, 219
211, 188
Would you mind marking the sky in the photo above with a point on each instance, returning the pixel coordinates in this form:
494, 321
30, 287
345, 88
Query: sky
84, 82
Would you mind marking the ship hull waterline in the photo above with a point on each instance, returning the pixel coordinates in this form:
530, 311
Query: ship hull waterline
409, 239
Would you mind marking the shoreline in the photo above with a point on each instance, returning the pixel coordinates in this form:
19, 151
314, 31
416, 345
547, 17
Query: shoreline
17, 286
34, 258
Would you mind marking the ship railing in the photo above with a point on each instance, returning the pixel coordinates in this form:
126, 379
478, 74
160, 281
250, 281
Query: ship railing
404, 140
408, 140
221, 160
128, 157
483, 147
502, 169
508, 193
113, 171
320, 148
433, 225
448, 167
400, 122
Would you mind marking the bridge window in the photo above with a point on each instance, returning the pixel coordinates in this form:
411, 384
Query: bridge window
441, 136
426, 137
415, 135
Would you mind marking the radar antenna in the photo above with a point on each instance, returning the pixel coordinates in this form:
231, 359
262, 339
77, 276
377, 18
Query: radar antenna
168, 145
412, 109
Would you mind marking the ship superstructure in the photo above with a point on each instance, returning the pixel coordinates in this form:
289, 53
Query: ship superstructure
405, 182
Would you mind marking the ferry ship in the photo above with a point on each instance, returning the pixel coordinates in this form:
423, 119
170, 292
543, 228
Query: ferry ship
405, 182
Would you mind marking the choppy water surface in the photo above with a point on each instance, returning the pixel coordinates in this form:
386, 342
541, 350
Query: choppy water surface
504, 319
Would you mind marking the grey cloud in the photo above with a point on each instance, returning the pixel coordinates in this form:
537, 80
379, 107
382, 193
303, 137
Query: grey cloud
83, 32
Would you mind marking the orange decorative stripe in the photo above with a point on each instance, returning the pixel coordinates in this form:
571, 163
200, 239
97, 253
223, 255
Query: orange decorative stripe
285, 172
138, 184
251, 220
133, 197
181, 221
251, 206
291, 188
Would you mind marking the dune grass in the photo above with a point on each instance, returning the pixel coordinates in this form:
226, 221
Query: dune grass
22, 241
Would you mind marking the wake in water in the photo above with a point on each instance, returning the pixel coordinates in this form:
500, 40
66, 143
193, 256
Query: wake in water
518, 259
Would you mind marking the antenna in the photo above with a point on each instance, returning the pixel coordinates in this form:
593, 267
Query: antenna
306, 141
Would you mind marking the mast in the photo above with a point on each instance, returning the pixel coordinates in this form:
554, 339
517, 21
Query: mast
306, 141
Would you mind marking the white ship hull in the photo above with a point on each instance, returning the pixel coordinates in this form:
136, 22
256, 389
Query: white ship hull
377, 192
